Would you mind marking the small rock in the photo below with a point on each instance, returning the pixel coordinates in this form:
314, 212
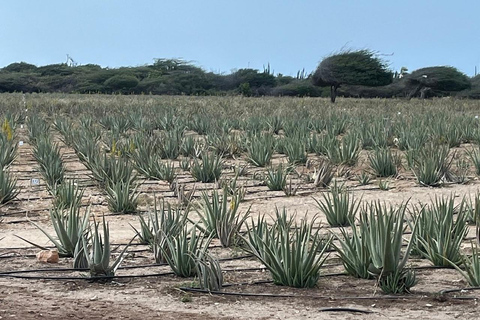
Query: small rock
48, 256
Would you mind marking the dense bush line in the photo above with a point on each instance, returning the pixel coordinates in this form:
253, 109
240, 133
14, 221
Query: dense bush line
178, 77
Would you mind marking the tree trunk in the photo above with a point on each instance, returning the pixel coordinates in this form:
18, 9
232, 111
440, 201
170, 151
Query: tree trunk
424, 92
333, 93
414, 92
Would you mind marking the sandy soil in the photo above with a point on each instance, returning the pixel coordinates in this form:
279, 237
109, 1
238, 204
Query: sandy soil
161, 296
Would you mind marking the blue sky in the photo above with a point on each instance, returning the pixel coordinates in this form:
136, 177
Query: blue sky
222, 35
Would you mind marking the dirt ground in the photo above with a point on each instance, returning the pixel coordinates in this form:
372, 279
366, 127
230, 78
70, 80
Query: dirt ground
157, 295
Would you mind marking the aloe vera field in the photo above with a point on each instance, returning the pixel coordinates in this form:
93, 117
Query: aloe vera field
238, 208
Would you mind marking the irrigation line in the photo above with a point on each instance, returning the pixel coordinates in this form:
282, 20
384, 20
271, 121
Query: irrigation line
16, 255
430, 267
43, 270
53, 247
245, 269
339, 309
441, 292
270, 295
228, 285
237, 258
4, 275
80, 269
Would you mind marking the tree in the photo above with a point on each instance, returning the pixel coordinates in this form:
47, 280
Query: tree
123, 83
258, 82
20, 67
362, 67
297, 88
438, 80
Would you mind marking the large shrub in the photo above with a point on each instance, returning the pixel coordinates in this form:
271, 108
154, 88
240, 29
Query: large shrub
440, 80
121, 83
362, 67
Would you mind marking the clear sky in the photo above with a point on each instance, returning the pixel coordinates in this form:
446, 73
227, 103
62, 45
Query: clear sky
222, 35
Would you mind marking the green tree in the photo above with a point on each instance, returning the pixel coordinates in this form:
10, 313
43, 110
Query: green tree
436, 81
19, 67
362, 67
123, 83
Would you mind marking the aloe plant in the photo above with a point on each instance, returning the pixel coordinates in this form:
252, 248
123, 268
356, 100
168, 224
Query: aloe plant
353, 249
275, 124
472, 209
170, 145
201, 124
296, 129
121, 198
296, 152
140, 122
384, 241
8, 151
431, 165
255, 124
225, 144
260, 150
8, 187
447, 131
97, 253
364, 178
189, 147
276, 178
348, 151
324, 144
208, 169
67, 195
339, 207
293, 258
117, 123
474, 155
167, 120
209, 272
324, 175
181, 251
64, 126
373, 134
161, 223
384, 162
337, 123
86, 146
37, 127
412, 136
108, 169
151, 166
291, 189
220, 217
471, 266
69, 226
280, 146
439, 236
48, 157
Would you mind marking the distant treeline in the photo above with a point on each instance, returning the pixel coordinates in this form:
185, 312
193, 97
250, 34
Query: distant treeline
178, 77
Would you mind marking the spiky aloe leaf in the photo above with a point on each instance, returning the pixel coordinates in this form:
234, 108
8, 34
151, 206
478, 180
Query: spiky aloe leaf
69, 228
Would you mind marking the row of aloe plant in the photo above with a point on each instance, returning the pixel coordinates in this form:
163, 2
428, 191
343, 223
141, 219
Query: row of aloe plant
66, 193
114, 174
75, 237
8, 154
298, 139
379, 130
373, 250
51, 165
183, 248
